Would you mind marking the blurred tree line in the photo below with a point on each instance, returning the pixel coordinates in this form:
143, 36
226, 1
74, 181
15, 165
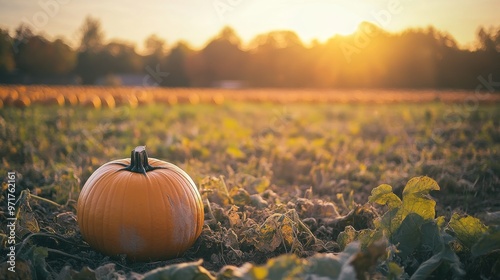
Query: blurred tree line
370, 57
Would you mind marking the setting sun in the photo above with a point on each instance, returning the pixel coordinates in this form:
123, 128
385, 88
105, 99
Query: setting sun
312, 20
316, 20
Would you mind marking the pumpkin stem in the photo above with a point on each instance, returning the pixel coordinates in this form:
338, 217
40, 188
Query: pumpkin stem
139, 161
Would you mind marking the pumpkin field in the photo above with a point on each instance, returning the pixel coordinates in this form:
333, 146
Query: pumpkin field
295, 184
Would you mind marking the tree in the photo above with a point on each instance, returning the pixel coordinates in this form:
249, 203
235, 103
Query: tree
176, 64
92, 36
154, 45
87, 67
63, 58
278, 58
155, 51
222, 58
276, 40
228, 34
7, 63
489, 39
91, 42
42, 58
23, 34
120, 57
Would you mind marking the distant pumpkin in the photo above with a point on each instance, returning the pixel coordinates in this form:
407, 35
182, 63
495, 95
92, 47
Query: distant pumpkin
142, 207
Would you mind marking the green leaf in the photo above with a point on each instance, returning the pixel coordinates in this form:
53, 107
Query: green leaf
431, 238
416, 198
441, 222
467, 229
408, 235
492, 218
324, 265
284, 267
39, 255
69, 274
487, 243
420, 186
390, 221
36, 256
368, 236
289, 266
383, 195
446, 255
188, 270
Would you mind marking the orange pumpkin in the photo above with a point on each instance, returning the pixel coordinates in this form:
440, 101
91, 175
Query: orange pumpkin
142, 207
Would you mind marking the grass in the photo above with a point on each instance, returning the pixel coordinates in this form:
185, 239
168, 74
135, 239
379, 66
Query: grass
333, 148
327, 153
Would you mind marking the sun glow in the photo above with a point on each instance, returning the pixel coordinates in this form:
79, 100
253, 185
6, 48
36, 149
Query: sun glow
319, 20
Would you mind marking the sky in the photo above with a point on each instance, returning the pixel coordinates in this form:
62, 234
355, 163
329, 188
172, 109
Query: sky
196, 21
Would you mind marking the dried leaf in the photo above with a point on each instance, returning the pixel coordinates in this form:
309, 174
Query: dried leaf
287, 234
268, 237
347, 236
22, 271
234, 219
240, 197
215, 190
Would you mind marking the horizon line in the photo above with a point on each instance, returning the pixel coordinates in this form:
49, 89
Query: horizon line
73, 43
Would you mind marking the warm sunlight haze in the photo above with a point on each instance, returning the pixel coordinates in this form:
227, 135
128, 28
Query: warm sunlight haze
250, 139
196, 21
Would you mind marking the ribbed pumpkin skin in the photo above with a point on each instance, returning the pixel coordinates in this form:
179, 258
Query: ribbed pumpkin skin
152, 216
